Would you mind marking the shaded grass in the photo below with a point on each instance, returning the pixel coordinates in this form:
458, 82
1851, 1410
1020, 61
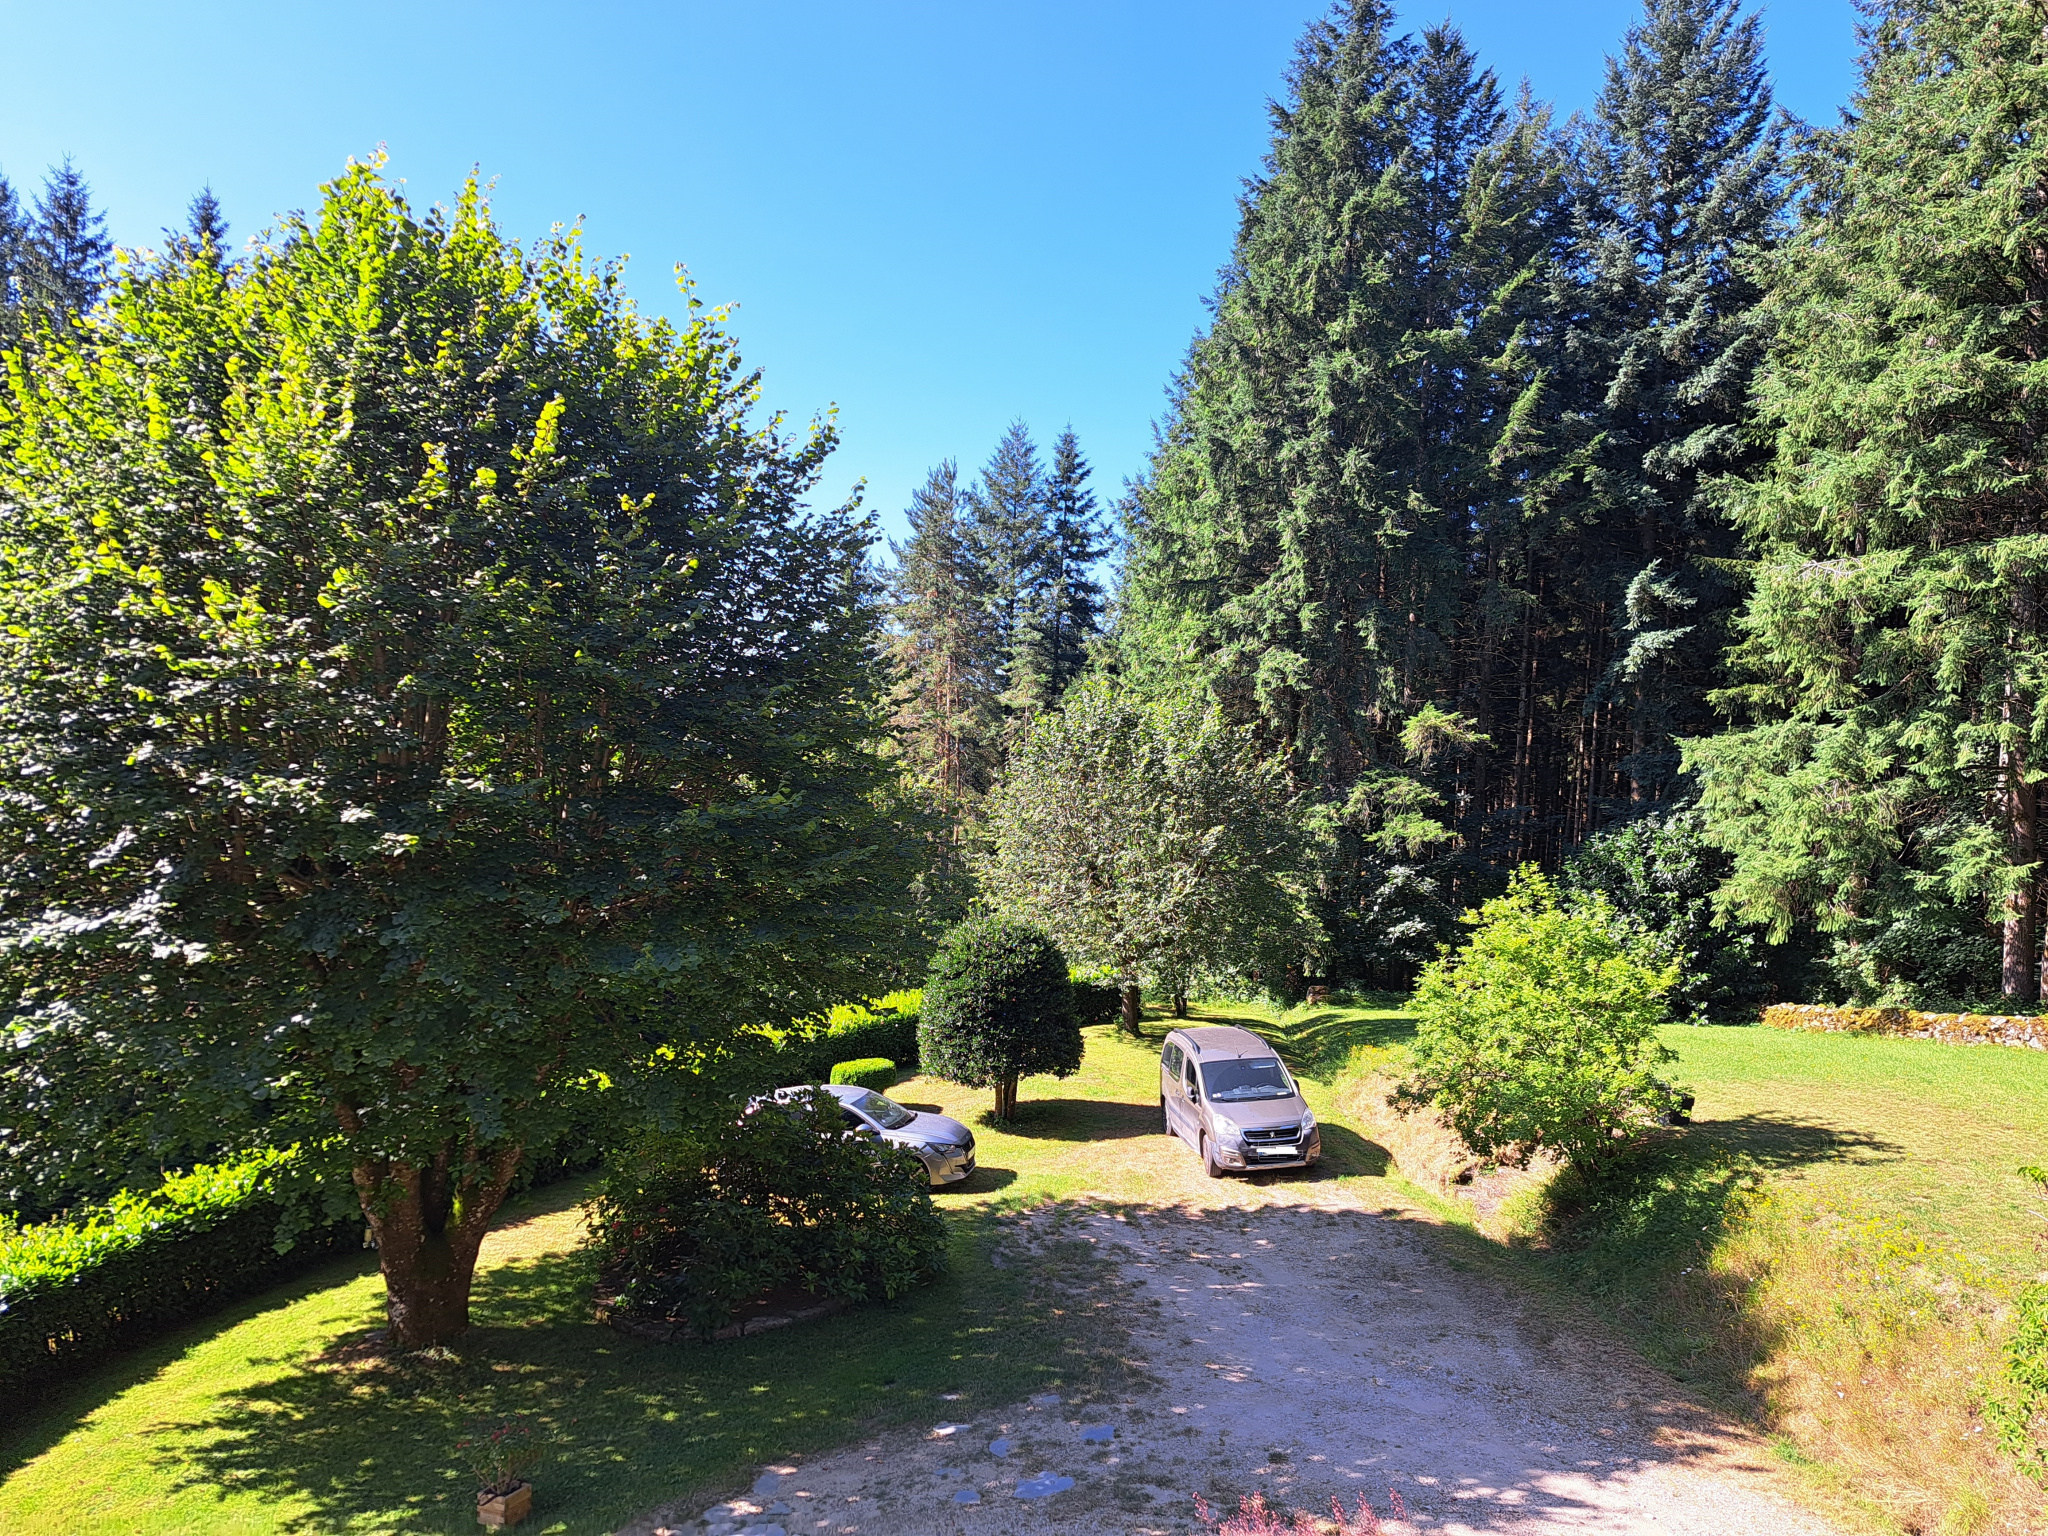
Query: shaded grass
272, 1416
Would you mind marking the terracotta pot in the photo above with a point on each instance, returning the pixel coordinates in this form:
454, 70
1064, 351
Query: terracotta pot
508, 1508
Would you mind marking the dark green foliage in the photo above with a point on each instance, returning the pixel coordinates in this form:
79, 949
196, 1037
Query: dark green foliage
998, 1006
74, 1291
1069, 601
1658, 875
809, 1058
876, 1072
692, 1227
2018, 1409
1892, 661
70, 253
1097, 1002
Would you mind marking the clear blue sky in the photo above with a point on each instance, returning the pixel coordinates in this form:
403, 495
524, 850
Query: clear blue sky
939, 216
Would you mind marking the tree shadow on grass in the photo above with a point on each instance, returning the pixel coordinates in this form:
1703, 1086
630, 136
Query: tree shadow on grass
1081, 1120
34, 1423
363, 1441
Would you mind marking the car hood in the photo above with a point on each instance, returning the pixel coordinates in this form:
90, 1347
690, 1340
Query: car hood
1255, 1114
928, 1127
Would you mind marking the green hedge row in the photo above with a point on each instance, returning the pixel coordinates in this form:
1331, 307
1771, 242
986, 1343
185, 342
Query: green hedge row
876, 1072
892, 1036
74, 1291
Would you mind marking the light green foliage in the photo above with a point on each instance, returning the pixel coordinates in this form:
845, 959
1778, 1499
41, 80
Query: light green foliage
1890, 661
1150, 839
424, 701
1540, 1033
876, 1072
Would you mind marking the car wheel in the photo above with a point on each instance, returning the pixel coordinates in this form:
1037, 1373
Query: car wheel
1209, 1164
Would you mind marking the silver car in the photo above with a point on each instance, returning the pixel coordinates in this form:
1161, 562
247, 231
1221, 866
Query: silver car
1224, 1092
943, 1144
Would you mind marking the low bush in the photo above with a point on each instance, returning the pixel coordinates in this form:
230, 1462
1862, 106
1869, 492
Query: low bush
690, 1228
876, 1072
73, 1291
1541, 1033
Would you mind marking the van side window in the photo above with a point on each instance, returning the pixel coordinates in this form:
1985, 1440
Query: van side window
1172, 1062
1187, 1079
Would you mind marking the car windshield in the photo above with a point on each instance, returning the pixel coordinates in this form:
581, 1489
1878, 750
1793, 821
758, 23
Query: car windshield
886, 1113
1229, 1082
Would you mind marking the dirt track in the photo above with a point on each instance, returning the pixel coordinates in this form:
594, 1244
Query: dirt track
1309, 1346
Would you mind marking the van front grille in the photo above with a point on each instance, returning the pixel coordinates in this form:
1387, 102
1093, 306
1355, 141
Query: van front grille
1266, 1135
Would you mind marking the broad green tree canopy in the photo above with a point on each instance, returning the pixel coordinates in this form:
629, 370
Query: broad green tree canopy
428, 715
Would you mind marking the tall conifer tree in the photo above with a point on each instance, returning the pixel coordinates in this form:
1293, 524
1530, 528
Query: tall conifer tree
943, 644
1894, 672
1006, 539
1681, 181
1070, 605
69, 249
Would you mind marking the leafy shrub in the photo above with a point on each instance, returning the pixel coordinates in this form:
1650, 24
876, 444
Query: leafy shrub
997, 1006
876, 1072
1097, 1002
692, 1227
1659, 874
1541, 1032
2019, 1415
73, 1291
854, 1032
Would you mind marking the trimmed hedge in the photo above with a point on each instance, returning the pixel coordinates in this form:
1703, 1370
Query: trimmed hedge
876, 1072
887, 1036
1951, 1028
1098, 1002
75, 1291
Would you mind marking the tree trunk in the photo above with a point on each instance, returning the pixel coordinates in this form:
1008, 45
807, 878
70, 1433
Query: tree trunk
2021, 971
428, 1225
1180, 1005
1006, 1100
1133, 1009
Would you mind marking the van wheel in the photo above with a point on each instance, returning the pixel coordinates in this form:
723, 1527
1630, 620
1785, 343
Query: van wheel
1209, 1164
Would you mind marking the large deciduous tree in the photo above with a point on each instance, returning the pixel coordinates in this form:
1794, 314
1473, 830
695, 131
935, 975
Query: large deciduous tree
428, 716
1149, 839
1893, 675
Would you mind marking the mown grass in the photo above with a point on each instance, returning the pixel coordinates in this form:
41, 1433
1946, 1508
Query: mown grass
1830, 1250
268, 1418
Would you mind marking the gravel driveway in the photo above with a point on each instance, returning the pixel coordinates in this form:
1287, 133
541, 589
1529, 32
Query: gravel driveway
1308, 1346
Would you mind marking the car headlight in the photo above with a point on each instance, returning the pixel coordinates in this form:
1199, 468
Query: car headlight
1308, 1122
1225, 1126
938, 1148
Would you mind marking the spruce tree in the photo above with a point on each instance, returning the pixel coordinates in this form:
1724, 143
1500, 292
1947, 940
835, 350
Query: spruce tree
206, 228
14, 259
1681, 180
69, 252
1070, 607
1006, 542
1893, 678
943, 645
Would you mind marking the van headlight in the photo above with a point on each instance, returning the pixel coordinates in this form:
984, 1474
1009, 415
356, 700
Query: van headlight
1308, 1121
1225, 1126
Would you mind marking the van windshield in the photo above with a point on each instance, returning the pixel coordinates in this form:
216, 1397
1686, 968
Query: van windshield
1262, 1077
886, 1113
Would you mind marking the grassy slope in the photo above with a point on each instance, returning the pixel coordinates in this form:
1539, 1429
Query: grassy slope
240, 1427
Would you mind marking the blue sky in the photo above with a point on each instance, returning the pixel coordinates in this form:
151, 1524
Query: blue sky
939, 216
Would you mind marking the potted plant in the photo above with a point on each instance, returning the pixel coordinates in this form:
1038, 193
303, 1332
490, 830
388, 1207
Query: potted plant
501, 1455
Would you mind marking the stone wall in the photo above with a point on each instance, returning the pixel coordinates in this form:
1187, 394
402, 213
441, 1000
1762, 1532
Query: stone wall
1952, 1028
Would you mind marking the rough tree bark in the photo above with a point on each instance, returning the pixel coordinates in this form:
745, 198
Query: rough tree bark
1133, 1012
428, 1224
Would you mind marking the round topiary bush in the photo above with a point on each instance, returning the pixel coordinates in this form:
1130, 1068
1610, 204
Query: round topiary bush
998, 1006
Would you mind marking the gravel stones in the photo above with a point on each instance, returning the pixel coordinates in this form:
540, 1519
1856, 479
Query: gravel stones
1097, 1434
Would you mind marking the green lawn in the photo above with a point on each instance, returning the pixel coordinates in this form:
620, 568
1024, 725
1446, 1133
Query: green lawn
261, 1420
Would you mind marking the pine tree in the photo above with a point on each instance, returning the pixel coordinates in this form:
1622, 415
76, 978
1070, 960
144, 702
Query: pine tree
1894, 675
1682, 180
1006, 542
943, 645
206, 228
1070, 608
69, 249
14, 261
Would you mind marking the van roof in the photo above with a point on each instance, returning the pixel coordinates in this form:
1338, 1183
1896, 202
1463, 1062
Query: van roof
1220, 1042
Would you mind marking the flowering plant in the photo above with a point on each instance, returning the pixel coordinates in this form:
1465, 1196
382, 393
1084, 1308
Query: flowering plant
500, 1455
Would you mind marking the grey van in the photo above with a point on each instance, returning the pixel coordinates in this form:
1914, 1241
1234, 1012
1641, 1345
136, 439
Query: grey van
1225, 1093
